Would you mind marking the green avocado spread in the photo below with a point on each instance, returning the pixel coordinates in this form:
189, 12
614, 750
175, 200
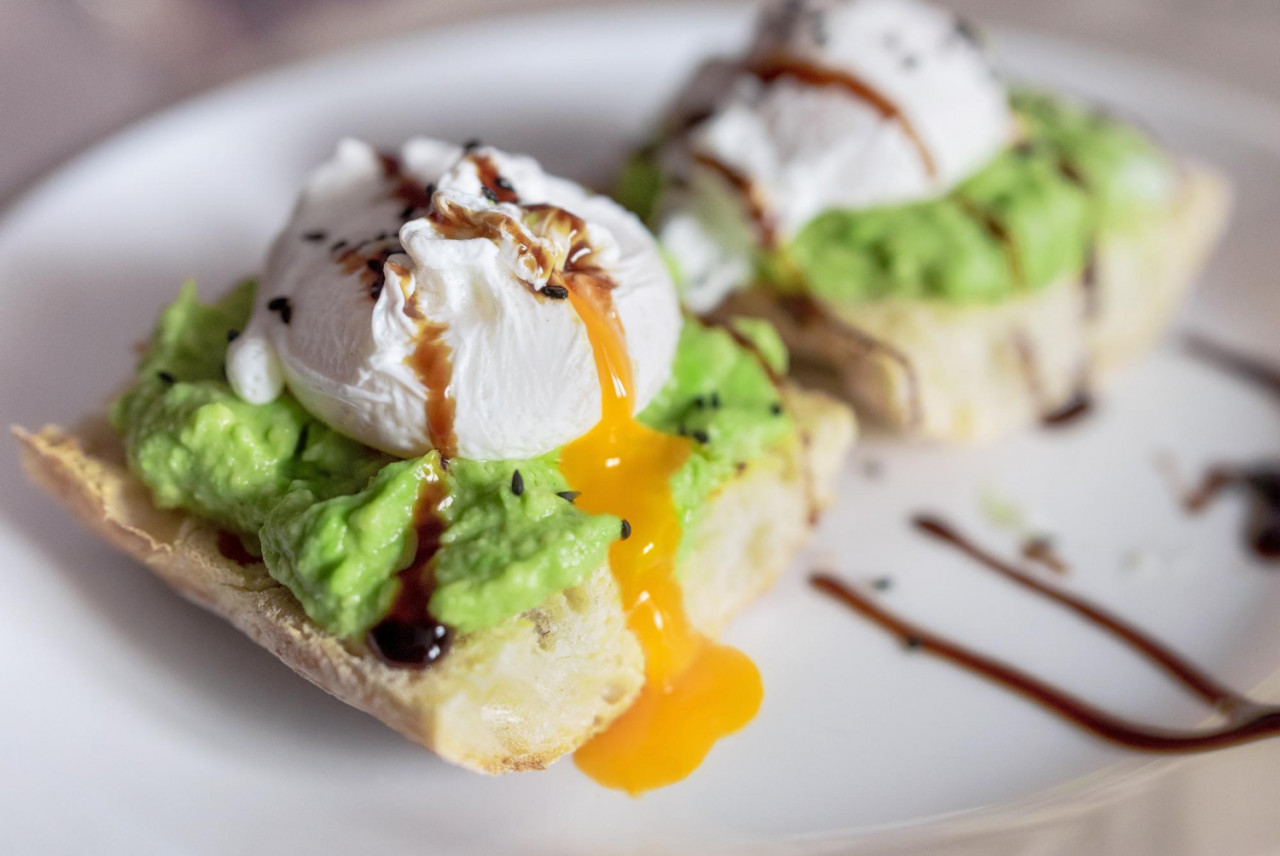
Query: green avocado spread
1029, 217
334, 520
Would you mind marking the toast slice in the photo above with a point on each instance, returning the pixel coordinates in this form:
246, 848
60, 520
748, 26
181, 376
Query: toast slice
513, 697
955, 372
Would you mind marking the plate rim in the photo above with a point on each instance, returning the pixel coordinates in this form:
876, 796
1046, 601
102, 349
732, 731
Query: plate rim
1232, 109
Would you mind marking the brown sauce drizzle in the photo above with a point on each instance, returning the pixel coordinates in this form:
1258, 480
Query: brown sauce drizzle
1072, 173
999, 233
354, 257
1245, 719
1235, 363
1262, 485
373, 274
778, 67
461, 224
1039, 549
577, 270
1028, 365
725, 323
1260, 481
432, 360
391, 166
404, 186
812, 75
803, 311
1089, 284
487, 170
1076, 408
409, 635
757, 210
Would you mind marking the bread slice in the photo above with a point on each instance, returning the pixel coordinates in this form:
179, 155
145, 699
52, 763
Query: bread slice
516, 696
956, 372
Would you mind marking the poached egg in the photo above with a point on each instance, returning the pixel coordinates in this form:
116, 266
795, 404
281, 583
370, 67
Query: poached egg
837, 104
419, 302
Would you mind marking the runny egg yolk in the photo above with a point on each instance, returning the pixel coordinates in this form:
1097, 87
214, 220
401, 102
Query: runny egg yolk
696, 690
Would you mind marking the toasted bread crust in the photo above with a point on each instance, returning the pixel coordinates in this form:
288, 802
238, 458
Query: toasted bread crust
513, 697
941, 370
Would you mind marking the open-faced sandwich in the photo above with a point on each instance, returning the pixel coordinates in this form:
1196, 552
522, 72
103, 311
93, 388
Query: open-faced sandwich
964, 258
459, 460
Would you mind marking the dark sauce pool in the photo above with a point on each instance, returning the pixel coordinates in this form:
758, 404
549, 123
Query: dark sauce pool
409, 635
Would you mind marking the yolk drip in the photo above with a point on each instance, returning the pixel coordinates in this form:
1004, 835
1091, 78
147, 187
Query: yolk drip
696, 691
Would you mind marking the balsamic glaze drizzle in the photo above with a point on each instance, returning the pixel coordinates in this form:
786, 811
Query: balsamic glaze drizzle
1262, 484
1235, 363
1076, 408
409, 635
1245, 720
1261, 481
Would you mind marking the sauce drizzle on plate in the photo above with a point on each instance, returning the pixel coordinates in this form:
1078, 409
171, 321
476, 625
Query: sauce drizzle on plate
1244, 719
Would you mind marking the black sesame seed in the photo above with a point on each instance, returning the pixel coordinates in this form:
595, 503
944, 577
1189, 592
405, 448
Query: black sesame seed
315, 237
283, 306
166, 377
699, 402
337, 245
407, 212
473, 143
382, 236
776, 408
912, 643
503, 183
715, 401
375, 290
517, 483
555, 292
431, 189
882, 583
489, 194
232, 335
626, 529
701, 436
568, 495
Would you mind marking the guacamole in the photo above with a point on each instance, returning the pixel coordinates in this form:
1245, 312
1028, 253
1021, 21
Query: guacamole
334, 520
1029, 217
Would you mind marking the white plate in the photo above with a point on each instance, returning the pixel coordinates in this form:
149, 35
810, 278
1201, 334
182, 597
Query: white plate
134, 723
